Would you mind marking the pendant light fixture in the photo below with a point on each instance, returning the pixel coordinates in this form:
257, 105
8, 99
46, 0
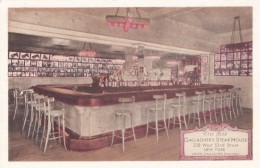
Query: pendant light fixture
87, 53
128, 21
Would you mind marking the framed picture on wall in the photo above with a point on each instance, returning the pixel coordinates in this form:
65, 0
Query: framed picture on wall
230, 65
223, 57
250, 64
45, 56
75, 65
54, 64
26, 68
234, 72
250, 72
14, 62
69, 65
77, 59
223, 65
225, 73
243, 72
244, 55
84, 59
91, 60
39, 63
35, 56
249, 54
237, 56
33, 63
13, 55
250, 46
236, 64
70, 58
230, 56
218, 72
27, 63
244, 65
217, 65
61, 64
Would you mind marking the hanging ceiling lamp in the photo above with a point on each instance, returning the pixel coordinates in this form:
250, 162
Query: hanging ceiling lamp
87, 53
152, 55
232, 44
128, 21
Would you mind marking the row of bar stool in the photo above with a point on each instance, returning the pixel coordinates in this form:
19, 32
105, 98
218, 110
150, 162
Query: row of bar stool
206, 106
40, 115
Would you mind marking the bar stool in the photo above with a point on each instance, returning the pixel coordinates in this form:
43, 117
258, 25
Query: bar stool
178, 107
50, 115
210, 102
39, 112
19, 99
220, 100
126, 111
32, 104
199, 105
237, 101
160, 103
228, 104
29, 105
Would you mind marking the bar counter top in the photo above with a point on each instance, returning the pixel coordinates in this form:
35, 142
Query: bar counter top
85, 95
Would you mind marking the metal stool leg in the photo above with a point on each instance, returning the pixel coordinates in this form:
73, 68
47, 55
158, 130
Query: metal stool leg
113, 133
31, 120
63, 133
133, 130
147, 123
156, 126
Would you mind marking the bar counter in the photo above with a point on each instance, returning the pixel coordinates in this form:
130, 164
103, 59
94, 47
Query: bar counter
89, 111
84, 95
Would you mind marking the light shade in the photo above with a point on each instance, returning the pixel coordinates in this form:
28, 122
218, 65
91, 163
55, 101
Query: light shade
127, 22
87, 53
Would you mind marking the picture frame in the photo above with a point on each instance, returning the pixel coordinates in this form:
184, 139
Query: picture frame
243, 73
14, 55
223, 65
244, 55
230, 56
244, 65
236, 64
234, 72
230, 64
237, 56
225, 73
25, 55
45, 57
218, 73
35, 56
223, 57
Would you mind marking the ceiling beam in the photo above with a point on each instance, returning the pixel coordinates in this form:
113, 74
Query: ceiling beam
31, 29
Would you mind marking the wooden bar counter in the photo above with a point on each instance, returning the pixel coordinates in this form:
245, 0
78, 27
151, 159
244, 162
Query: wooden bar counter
89, 111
